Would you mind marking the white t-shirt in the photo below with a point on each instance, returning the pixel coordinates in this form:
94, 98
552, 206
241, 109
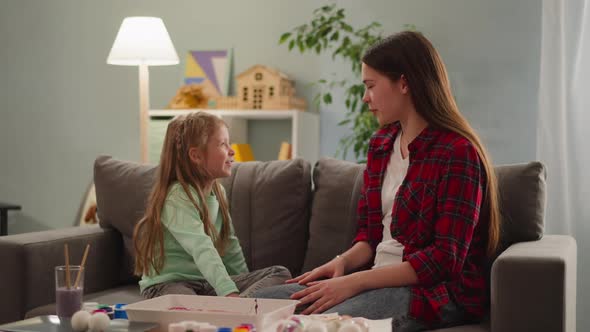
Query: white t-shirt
389, 251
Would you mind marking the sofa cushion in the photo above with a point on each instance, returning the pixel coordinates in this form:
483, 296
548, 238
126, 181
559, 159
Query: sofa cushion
122, 190
333, 221
337, 187
269, 204
522, 201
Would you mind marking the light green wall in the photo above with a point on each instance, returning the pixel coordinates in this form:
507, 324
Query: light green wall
492, 52
61, 105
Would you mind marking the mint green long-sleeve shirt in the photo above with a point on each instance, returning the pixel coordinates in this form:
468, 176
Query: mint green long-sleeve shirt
190, 253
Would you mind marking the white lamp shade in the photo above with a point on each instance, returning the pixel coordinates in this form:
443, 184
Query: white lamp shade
142, 40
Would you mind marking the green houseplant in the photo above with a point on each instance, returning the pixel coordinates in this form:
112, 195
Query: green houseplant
328, 31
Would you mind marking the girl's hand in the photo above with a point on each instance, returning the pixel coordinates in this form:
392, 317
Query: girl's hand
325, 294
233, 295
333, 269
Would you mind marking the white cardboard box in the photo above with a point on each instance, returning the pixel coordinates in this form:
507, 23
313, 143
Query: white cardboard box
219, 311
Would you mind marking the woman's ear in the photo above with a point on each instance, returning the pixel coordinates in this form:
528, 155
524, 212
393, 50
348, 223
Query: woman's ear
195, 155
403, 84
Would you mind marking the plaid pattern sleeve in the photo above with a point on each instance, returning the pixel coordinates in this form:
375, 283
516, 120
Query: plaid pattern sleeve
362, 230
460, 194
369, 212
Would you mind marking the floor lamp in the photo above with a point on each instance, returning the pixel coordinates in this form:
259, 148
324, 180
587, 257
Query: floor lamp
143, 42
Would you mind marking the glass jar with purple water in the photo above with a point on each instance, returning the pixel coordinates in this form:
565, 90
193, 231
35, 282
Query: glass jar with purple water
69, 290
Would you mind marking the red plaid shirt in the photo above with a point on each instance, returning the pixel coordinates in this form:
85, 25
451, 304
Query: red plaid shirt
435, 216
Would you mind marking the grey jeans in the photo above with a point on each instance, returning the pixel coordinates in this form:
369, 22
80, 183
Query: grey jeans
376, 304
247, 283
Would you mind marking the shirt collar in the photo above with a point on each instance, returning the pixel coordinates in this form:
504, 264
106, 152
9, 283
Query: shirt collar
423, 140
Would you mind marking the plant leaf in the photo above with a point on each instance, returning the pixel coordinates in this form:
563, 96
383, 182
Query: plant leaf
300, 45
284, 37
346, 27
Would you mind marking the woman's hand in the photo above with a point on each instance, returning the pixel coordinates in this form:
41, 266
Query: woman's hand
323, 295
333, 269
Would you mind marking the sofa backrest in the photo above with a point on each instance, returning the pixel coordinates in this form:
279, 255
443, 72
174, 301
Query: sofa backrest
337, 187
280, 221
269, 204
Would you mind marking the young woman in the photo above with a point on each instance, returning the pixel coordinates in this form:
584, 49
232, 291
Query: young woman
420, 251
185, 243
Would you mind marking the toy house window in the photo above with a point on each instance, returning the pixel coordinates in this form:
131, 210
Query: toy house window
258, 76
245, 98
271, 91
257, 99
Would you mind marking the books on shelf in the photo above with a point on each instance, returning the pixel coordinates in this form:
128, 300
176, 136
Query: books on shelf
285, 153
243, 152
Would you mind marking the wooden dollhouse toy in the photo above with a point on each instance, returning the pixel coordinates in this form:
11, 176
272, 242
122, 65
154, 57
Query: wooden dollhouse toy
264, 88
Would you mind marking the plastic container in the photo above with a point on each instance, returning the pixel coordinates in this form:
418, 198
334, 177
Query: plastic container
215, 310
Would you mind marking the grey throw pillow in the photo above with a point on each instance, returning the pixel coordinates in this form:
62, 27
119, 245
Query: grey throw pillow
522, 201
333, 222
122, 191
269, 203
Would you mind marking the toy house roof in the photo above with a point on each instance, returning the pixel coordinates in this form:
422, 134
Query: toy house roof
272, 71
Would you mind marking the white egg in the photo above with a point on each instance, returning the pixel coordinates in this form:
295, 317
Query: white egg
287, 325
80, 320
176, 327
316, 326
99, 322
350, 327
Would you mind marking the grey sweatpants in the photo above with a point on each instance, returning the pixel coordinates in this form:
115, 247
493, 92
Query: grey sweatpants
375, 304
247, 283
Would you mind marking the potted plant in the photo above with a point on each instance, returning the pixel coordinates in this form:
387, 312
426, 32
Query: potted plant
328, 31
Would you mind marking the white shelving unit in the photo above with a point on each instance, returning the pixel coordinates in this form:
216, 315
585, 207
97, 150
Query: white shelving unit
305, 127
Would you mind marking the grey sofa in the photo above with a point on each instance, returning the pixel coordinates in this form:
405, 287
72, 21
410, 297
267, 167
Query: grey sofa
286, 214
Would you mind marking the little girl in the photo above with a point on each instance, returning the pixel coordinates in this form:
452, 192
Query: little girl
185, 242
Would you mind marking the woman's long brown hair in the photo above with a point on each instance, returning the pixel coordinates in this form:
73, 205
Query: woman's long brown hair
183, 132
410, 54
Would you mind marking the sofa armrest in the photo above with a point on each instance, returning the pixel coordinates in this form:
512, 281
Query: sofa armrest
533, 286
27, 277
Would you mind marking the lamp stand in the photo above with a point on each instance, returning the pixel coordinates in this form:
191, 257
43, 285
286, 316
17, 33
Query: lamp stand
144, 105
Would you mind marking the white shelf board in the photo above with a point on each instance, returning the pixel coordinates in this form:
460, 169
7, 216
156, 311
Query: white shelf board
305, 132
248, 114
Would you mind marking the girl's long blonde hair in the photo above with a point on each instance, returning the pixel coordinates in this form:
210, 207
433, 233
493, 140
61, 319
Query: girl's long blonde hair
410, 54
183, 132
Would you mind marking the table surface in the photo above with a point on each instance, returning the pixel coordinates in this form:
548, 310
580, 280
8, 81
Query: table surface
53, 324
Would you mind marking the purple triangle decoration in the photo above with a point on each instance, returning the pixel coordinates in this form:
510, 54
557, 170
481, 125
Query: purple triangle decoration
204, 59
194, 80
